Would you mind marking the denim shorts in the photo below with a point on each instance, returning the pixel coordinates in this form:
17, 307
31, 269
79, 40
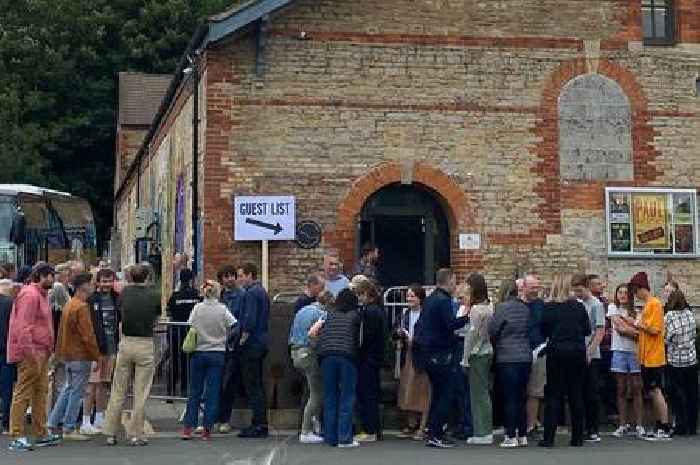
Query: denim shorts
625, 362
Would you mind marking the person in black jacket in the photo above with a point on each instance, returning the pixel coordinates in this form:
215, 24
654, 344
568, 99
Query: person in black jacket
106, 318
370, 360
8, 371
565, 324
435, 335
254, 324
337, 350
180, 306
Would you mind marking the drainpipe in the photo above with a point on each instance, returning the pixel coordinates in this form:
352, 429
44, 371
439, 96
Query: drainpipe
195, 162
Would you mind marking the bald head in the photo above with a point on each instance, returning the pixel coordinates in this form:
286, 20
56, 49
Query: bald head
531, 287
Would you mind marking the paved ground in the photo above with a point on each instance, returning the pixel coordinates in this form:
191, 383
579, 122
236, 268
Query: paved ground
168, 450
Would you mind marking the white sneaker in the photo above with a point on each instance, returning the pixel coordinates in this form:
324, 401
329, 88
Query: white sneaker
350, 445
480, 440
622, 431
224, 428
640, 432
509, 443
90, 430
310, 438
522, 442
660, 435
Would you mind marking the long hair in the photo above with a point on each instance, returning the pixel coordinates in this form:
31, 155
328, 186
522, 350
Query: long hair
561, 287
629, 306
676, 302
508, 290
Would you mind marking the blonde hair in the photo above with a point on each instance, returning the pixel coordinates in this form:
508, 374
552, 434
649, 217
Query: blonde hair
211, 289
325, 298
463, 290
561, 287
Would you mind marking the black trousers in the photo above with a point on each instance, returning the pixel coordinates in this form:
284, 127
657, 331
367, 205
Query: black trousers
230, 382
591, 396
440, 370
179, 381
368, 396
565, 378
251, 363
684, 399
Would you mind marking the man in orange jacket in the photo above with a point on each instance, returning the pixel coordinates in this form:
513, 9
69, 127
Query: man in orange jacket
77, 348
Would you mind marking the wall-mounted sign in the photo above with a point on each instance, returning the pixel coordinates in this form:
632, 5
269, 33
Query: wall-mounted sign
469, 241
264, 218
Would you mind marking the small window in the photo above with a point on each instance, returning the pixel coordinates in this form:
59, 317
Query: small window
651, 222
658, 22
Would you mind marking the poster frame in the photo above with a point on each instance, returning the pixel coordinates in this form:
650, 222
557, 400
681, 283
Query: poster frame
610, 191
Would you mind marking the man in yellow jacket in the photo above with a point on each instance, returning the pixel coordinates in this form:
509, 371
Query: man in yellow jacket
77, 348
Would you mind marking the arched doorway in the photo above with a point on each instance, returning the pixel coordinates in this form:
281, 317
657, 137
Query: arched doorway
409, 225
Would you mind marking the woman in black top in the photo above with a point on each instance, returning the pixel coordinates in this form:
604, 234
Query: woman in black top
565, 324
370, 359
337, 349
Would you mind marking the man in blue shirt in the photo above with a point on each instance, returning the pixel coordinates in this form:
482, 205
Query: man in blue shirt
436, 340
254, 321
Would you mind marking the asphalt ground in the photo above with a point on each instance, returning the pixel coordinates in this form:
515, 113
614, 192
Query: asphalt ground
168, 449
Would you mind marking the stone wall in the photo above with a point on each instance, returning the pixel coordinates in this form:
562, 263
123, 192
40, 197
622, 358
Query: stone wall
461, 97
368, 89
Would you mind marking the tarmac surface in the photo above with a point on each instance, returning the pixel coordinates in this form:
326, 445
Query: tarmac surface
168, 449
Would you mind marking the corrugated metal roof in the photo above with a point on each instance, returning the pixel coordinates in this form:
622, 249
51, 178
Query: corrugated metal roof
140, 96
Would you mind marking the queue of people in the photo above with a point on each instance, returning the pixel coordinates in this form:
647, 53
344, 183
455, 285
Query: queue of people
460, 354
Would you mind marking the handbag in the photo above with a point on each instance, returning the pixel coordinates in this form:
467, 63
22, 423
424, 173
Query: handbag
189, 345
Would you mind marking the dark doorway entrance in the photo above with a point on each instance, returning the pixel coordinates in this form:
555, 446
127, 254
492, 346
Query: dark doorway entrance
410, 227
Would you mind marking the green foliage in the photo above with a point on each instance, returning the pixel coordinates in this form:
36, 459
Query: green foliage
58, 65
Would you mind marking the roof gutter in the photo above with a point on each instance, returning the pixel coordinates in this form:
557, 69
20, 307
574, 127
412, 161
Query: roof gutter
198, 39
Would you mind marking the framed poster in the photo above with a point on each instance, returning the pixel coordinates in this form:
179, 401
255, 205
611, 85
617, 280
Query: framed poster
651, 222
620, 237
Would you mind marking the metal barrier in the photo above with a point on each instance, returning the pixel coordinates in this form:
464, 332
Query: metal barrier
172, 366
285, 297
395, 301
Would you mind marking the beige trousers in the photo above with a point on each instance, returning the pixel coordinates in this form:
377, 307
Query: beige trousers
137, 354
31, 388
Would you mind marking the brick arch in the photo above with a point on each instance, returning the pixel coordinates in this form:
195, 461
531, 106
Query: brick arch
584, 195
445, 189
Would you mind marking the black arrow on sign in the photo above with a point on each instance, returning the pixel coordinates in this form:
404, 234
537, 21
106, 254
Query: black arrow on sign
277, 228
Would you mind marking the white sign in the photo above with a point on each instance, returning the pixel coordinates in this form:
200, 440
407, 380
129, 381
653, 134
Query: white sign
469, 241
264, 218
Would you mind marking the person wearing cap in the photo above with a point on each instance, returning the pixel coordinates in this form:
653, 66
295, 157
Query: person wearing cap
29, 344
652, 352
7, 370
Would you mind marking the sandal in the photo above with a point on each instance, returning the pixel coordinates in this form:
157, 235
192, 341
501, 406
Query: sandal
138, 442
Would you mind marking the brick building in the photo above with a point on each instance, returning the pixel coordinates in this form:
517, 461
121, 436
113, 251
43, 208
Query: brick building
412, 122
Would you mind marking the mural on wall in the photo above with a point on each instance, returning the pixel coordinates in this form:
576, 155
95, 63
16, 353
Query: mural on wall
180, 215
595, 130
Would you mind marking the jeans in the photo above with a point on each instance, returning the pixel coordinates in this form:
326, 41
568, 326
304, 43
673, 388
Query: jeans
565, 373
305, 360
684, 398
441, 373
479, 393
137, 354
514, 377
368, 396
591, 396
70, 399
31, 388
252, 358
339, 380
206, 369
8, 375
230, 380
